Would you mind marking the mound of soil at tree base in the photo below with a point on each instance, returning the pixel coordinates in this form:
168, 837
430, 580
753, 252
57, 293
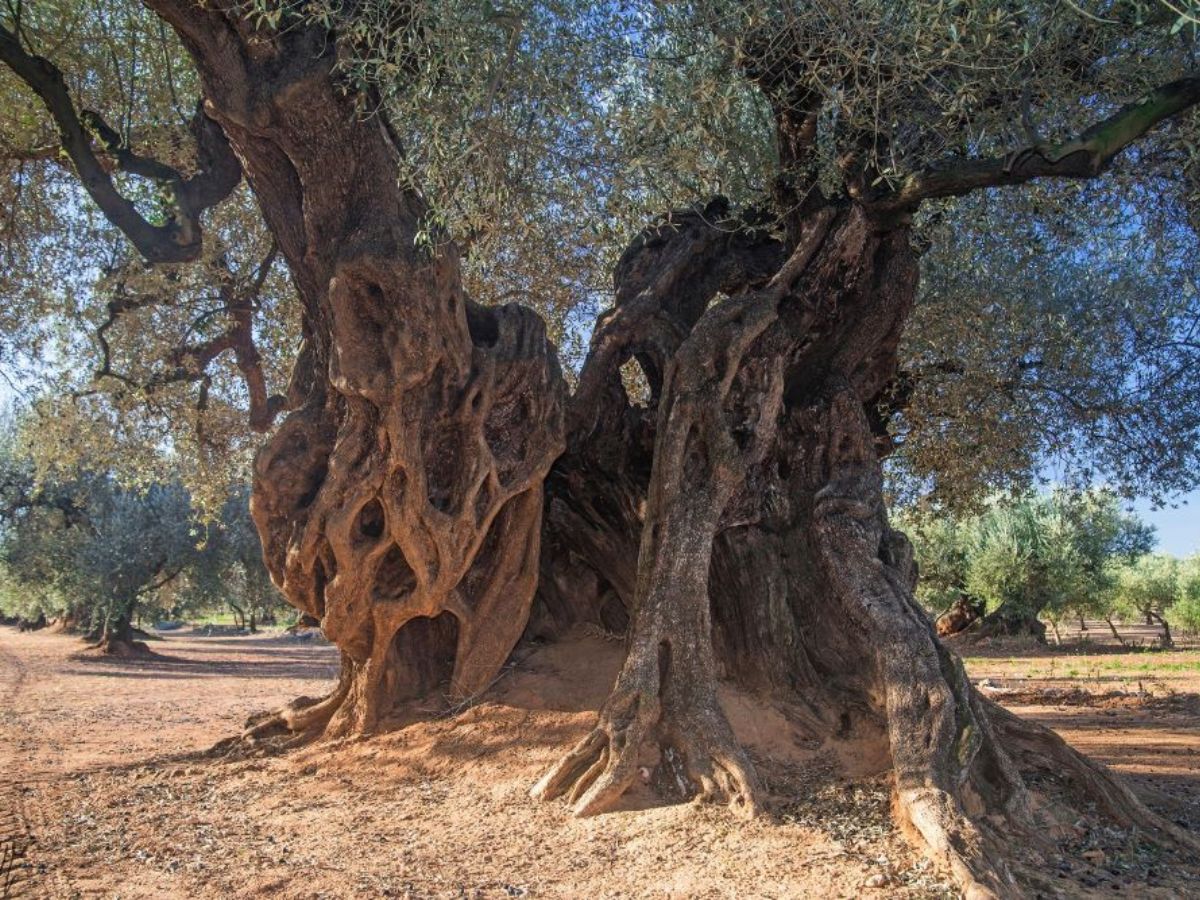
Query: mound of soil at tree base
303, 624
61, 625
841, 788
116, 649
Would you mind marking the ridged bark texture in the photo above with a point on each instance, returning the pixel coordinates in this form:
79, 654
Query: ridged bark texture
737, 521
400, 501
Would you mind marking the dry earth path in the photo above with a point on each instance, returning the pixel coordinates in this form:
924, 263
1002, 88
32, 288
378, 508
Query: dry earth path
105, 795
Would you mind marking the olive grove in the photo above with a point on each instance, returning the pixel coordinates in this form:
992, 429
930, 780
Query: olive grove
432, 175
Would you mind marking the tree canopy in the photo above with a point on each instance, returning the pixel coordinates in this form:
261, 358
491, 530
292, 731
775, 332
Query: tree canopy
93, 552
1052, 555
553, 132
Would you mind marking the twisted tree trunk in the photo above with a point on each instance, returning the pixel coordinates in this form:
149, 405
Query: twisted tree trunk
400, 501
1011, 620
959, 616
116, 636
765, 553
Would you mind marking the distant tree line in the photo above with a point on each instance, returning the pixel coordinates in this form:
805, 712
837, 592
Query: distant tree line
96, 554
1027, 561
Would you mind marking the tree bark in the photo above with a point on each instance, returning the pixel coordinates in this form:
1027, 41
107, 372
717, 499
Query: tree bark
31, 624
400, 501
1166, 641
766, 557
963, 613
1011, 620
116, 636
1113, 628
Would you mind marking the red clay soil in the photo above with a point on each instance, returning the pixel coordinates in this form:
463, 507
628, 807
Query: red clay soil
104, 793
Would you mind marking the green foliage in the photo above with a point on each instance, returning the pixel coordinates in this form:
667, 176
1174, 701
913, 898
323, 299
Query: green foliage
94, 549
1148, 587
1053, 325
1053, 554
1064, 347
1187, 607
943, 550
226, 568
902, 84
112, 390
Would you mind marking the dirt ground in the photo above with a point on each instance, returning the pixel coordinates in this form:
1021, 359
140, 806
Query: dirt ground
103, 792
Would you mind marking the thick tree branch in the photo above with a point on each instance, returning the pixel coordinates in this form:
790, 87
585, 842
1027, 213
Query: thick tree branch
663, 283
179, 239
1087, 156
43, 153
162, 582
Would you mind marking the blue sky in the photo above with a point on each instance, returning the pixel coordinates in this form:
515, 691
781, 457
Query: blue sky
1178, 528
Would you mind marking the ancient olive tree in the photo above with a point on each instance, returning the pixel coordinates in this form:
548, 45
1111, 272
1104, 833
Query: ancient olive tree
430, 472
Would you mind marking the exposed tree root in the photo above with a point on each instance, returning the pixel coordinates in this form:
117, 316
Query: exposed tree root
300, 721
303, 624
961, 766
665, 697
1038, 750
697, 754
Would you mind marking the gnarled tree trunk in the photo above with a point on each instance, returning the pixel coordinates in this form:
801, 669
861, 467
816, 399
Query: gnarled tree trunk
116, 635
959, 616
766, 555
400, 501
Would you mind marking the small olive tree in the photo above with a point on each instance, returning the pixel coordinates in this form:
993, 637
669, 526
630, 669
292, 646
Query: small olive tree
1149, 588
94, 549
1021, 559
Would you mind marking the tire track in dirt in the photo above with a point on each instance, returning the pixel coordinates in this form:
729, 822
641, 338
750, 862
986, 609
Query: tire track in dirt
22, 818
16, 837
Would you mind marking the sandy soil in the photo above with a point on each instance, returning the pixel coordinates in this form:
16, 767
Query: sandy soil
103, 792
1136, 709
